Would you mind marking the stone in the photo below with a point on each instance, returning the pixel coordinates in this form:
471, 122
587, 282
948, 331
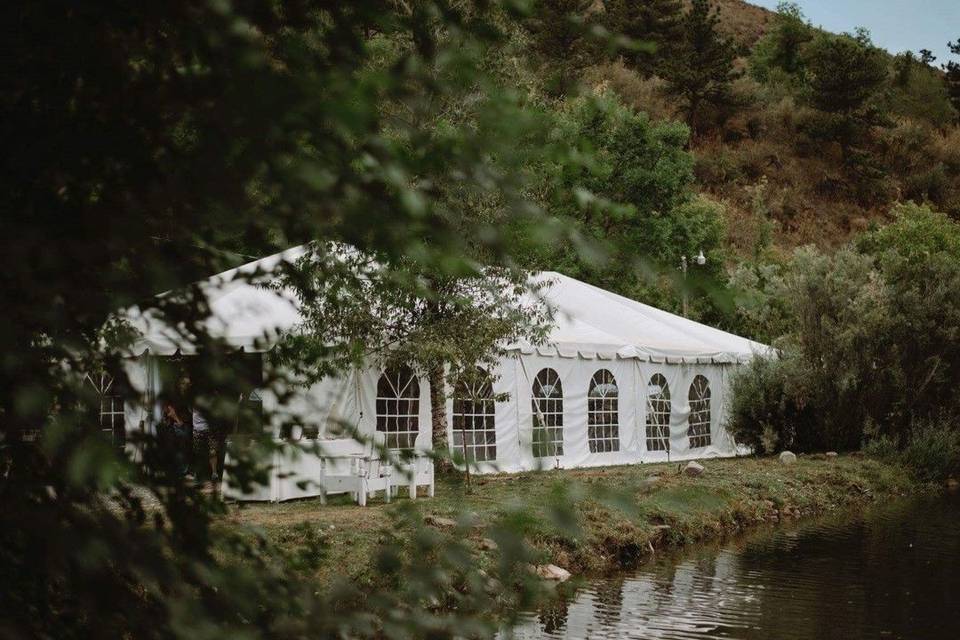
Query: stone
488, 545
649, 483
553, 572
440, 522
831, 454
788, 457
953, 484
472, 519
693, 469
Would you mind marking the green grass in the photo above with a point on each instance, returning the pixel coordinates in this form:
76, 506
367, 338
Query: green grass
613, 515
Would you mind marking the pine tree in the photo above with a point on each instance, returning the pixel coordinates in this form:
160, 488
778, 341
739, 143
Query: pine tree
903, 64
657, 22
845, 76
844, 73
700, 70
952, 75
557, 36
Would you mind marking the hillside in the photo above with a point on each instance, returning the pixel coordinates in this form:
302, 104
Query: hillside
744, 22
766, 157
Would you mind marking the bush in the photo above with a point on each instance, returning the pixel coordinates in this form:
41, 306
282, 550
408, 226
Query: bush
764, 413
922, 96
871, 345
932, 452
777, 56
883, 447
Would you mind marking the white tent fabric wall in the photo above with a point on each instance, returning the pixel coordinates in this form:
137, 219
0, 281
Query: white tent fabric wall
330, 407
593, 329
515, 417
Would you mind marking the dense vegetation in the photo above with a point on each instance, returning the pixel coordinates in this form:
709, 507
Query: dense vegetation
150, 147
820, 176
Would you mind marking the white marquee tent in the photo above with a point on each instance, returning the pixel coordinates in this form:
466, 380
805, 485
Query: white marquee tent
616, 382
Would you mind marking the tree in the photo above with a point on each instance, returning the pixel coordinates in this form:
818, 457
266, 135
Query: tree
700, 72
903, 64
630, 200
844, 77
657, 22
781, 48
154, 146
952, 75
917, 91
356, 311
870, 329
558, 36
845, 73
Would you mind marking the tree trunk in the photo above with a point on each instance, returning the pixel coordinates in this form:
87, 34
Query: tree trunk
438, 409
692, 110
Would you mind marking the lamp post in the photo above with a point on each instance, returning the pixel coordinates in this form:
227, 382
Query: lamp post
700, 260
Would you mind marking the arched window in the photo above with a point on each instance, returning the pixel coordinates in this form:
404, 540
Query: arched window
109, 410
474, 428
658, 414
398, 407
699, 420
603, 424
547, 407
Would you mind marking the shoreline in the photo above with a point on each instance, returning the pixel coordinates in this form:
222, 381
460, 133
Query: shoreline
620, 515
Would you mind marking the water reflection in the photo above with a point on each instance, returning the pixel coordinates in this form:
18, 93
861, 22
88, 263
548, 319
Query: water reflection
893, 573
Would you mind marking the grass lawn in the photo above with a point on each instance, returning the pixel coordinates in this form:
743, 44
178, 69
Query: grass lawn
617, 514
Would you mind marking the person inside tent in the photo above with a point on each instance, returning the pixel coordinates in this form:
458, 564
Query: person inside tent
208, 445
174, 434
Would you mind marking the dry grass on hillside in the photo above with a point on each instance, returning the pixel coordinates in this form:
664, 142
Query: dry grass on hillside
742, 21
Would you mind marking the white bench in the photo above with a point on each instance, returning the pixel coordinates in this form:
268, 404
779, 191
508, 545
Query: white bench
342, 466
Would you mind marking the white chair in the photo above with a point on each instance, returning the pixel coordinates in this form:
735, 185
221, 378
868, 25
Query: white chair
340, 473
414, 473
375, 472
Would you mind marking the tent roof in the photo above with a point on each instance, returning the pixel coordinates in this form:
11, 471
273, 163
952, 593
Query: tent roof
589, 322
592, 322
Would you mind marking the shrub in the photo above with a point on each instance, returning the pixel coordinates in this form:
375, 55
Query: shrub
871, 344
883, 447
764, 413
716, 166
643, 94
778, 53
933, 452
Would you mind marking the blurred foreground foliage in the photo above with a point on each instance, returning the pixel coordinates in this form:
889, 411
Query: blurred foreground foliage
152, 145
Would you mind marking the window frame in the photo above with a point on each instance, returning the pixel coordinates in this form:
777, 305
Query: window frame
393, 393
111, 406
547, 415
477, 395
603, 413
659, 415
700, 418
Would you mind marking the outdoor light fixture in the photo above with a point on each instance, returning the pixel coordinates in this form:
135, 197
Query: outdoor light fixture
700, 260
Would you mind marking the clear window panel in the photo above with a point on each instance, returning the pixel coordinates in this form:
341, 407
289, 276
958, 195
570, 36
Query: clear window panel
547, 408
698, 428
474, 433
398, 407
603, 423
658, 414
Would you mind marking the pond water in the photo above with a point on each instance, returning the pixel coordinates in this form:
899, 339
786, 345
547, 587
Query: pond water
892, 572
